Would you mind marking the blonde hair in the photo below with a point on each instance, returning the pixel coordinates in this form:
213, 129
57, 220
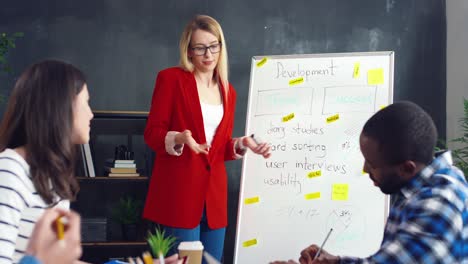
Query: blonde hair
208, 24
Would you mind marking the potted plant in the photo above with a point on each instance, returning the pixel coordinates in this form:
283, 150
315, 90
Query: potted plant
127, 212
160, 244
6, 43
460, 154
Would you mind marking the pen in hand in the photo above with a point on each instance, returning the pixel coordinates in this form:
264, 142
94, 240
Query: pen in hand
60, 228
261, 148
147, 258
254, 139
323, 244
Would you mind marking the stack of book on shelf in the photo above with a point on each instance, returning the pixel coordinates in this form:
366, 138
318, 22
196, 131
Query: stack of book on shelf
121, 168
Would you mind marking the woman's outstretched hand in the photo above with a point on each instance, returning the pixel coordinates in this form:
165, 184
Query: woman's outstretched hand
185, 137
260, 148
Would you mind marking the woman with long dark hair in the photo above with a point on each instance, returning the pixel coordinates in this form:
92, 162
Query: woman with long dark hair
47, 116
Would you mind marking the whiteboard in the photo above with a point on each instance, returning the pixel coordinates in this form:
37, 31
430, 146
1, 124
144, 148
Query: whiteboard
312, 108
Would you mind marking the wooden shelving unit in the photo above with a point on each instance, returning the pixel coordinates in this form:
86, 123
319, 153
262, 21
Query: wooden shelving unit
98, 195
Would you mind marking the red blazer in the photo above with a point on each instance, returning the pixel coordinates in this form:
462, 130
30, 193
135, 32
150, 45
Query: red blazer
182, 185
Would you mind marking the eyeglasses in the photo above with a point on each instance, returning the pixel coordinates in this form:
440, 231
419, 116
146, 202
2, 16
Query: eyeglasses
201, 50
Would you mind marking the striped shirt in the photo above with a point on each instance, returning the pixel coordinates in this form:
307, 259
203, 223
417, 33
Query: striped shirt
20, 206
428, 220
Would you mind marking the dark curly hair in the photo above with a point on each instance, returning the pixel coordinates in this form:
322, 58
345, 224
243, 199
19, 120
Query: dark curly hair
404, 131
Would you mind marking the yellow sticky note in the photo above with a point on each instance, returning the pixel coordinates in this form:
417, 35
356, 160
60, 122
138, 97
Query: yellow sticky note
314, 174
296, 81
382, 107
252, 200
333, 118
311, 196
375, 76
249, 243
356, 71
363, 172
340, 192
262, 62
288, 117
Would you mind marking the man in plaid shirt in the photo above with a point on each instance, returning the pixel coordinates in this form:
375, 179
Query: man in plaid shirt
428, 220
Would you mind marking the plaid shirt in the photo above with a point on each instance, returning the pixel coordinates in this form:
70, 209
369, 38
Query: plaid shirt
428, 220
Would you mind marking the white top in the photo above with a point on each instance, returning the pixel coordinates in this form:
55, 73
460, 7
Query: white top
212, 116
20, 206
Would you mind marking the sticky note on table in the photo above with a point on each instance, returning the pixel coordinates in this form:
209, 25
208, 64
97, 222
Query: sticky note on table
311, 196
288, 117
314, 174
296, 81
333, 118
262, 62
249, 243
340, 192
375, 76
356, 71
252, 200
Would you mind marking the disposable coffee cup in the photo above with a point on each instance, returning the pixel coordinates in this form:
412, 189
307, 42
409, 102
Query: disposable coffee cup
193, 250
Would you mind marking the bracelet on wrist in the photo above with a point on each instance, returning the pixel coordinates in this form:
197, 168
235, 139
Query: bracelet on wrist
240, 144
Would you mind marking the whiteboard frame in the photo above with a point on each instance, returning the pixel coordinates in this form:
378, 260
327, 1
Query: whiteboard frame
300, 56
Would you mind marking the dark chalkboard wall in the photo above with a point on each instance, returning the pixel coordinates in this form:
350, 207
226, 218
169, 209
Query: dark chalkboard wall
122, 44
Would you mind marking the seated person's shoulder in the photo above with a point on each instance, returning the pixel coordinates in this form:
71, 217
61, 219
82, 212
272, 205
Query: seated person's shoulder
447, 189
12, 163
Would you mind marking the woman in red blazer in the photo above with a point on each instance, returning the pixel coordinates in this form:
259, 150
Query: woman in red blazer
193, 107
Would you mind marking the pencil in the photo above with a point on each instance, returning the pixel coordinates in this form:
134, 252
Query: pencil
60, 228
323, 244
147, 258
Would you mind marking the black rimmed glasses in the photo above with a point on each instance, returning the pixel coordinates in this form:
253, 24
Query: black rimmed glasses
200, 50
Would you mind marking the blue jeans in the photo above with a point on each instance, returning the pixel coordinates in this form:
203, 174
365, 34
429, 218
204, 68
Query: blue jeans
212, 239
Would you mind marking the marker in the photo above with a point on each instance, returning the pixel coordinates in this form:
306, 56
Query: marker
258, 142
60, 228
254, 139
320, 249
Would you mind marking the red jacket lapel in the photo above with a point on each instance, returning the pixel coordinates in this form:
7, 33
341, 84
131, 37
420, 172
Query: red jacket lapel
192, 99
